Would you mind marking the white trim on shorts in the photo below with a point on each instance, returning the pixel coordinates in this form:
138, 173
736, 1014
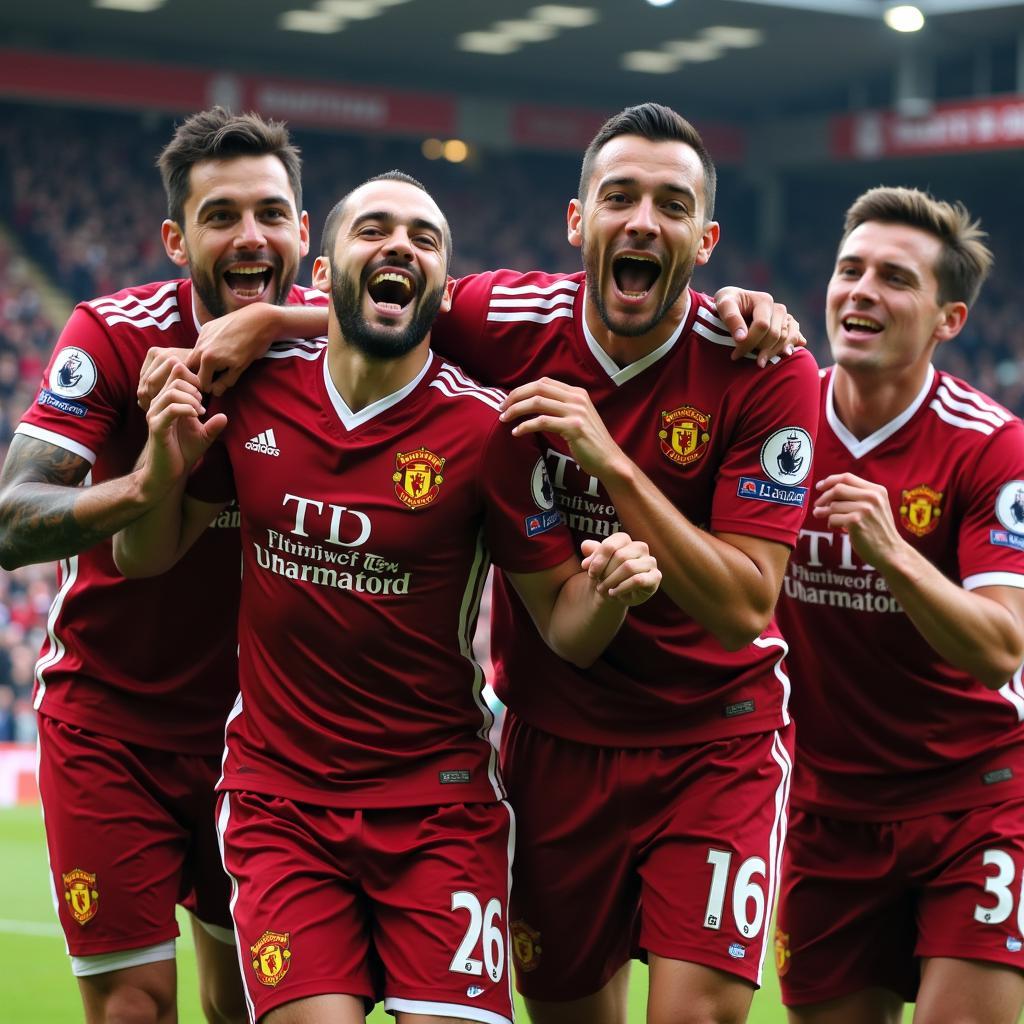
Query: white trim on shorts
457, 1010
103, 963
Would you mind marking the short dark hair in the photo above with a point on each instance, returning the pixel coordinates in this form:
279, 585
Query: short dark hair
330, 232
965, 260
659, 124
217, 134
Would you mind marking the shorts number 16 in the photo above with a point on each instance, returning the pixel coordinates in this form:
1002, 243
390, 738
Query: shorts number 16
744, 891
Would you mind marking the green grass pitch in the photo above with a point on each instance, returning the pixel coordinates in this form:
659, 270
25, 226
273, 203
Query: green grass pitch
39, 989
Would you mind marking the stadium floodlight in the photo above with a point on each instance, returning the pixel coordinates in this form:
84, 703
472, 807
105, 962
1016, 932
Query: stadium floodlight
135, 6
904, 18
695, 50
660, 3
351, 10
310, 21
526, 31
733, 36
651, 62
563, 16
493, 43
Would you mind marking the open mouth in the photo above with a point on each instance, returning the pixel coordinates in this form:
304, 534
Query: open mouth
635, 275
860, 325
248, 282
391, 290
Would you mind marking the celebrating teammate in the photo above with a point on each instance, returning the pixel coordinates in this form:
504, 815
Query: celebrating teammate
904, 605
131, 717
362, 815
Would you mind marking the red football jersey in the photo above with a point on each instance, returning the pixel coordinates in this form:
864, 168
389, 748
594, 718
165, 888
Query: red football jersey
887, 729
730, 446
366, 541
149, 661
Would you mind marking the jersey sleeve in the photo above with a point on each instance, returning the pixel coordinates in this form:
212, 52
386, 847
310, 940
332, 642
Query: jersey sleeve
523, 530
85, 389
459, 334
990, 545
765, 475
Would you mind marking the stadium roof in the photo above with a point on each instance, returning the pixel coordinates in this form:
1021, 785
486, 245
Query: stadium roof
719, 58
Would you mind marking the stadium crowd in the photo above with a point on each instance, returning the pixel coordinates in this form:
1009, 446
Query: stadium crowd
78, 193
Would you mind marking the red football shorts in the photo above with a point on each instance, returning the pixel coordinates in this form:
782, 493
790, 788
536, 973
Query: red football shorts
861, 902
130, 833
408, 905
672, 850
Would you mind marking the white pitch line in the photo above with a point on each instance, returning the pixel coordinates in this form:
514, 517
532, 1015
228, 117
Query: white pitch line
44, 930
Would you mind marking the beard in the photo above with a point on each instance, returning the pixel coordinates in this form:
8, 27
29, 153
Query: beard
374, 341
207, 285
630, 329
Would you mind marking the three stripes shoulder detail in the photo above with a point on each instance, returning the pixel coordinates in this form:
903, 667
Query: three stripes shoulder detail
967, 409
453, 383
159, 310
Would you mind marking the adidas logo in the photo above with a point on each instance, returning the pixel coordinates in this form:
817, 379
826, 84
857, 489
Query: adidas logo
264, 442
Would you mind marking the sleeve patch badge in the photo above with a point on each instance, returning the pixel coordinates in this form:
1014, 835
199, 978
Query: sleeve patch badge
540, 487
920, 509
1010, 506
751, 488
73, 374
786, 455
684, 434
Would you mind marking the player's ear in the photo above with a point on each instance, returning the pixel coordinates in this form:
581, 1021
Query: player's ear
303, 233
174, 243
953, 316
322, 273
449, 291
708, 240
574, 219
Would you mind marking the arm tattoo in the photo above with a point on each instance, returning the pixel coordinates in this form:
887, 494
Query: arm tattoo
38, 493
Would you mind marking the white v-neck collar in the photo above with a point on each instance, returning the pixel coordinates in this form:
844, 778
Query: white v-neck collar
620, 374
349, 419
859, 448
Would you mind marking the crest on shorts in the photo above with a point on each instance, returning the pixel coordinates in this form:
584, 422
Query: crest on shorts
417, 477
684, 434
271, 957
782, 953
525, 946
81, 895
920, 508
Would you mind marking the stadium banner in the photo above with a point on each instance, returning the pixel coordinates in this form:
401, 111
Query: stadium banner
962, 127
18, 774
34, 75
570, 129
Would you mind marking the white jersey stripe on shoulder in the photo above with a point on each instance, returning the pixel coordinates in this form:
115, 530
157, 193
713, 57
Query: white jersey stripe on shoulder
967, 409
139, 310
129, 300
536, 289
712, 320
958, 421
533, 303
299, 349
1013, 693
458, 374
57, 440
160, 325
977, 399
726, 341
536, 318
994, 579
450, 390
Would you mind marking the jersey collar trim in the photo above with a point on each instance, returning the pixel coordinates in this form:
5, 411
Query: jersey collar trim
620, 375
859, 448
349, 419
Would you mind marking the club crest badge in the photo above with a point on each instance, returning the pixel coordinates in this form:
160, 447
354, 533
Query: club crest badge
525, 946
782, 952
920, 509
417, 477
73, 374
81, 895
271, 957
684, 434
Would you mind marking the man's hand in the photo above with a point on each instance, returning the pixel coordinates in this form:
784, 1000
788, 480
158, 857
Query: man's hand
758, 323
623, 568
177, 435
862, 509
156, 370
227, 346
549, 406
